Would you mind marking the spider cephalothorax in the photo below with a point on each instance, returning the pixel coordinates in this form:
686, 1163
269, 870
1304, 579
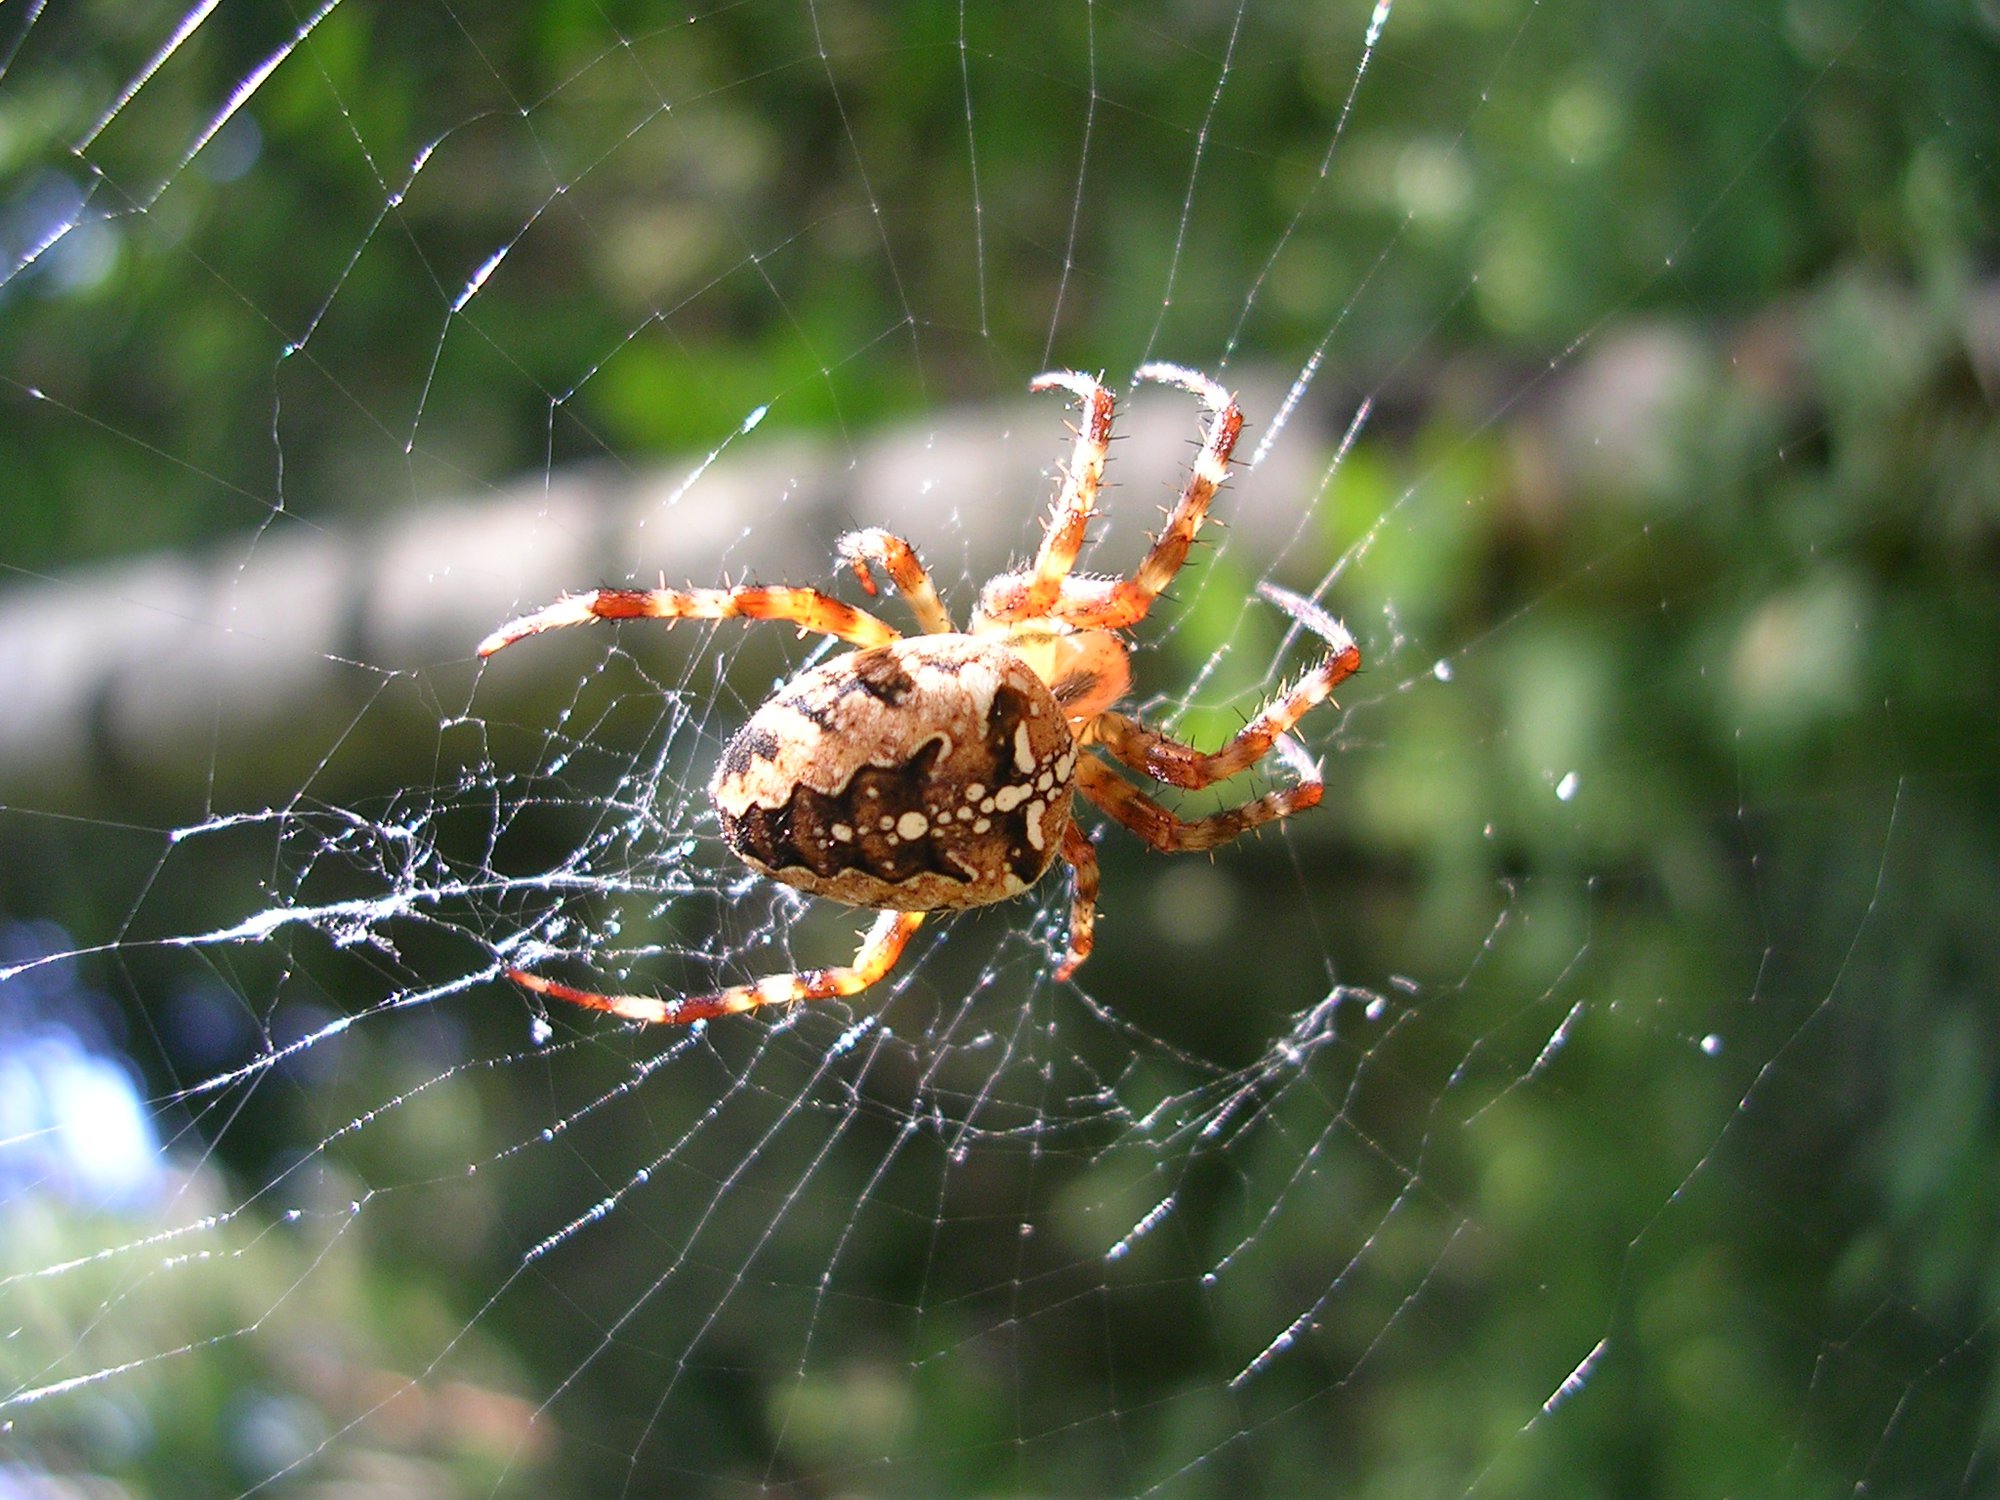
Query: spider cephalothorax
941, 772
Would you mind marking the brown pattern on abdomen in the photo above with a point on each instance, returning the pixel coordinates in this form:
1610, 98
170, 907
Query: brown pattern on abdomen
1010, 764
927, 773
880, 823
895, 823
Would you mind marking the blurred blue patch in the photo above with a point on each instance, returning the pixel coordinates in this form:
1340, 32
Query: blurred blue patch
73, 1122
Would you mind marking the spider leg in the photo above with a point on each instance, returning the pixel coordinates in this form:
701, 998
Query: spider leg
809, 609
1126, 804
1118, 603
1085, 603
877, 956
1081, 858
1211, 467
1069, 518
1166, 759
898, 559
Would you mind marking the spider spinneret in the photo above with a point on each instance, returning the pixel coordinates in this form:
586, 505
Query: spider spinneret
941, 771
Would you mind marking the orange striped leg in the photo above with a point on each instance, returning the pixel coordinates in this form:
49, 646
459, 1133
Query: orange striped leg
1086, 603
1118, 603
879, 952
1069, 519
1081, 858
1211, 467
808, 609
1126, 804
1166, 759
898, 559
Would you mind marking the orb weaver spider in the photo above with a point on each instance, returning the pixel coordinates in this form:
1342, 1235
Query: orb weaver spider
940, 772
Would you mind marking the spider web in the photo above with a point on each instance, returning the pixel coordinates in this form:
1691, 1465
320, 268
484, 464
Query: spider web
1595, 1094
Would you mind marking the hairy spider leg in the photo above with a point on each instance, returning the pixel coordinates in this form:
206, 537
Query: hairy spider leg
1125, 804
1211, 467
898, 559
1119, 603
877, 956
1081, 857
1069, 518
808, 609
1166, 759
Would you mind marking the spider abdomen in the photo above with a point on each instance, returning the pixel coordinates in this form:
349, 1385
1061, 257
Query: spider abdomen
927, 773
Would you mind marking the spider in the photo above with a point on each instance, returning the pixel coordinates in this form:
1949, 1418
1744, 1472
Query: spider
939, 772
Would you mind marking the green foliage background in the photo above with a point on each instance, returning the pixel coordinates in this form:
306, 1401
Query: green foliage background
1764, 622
